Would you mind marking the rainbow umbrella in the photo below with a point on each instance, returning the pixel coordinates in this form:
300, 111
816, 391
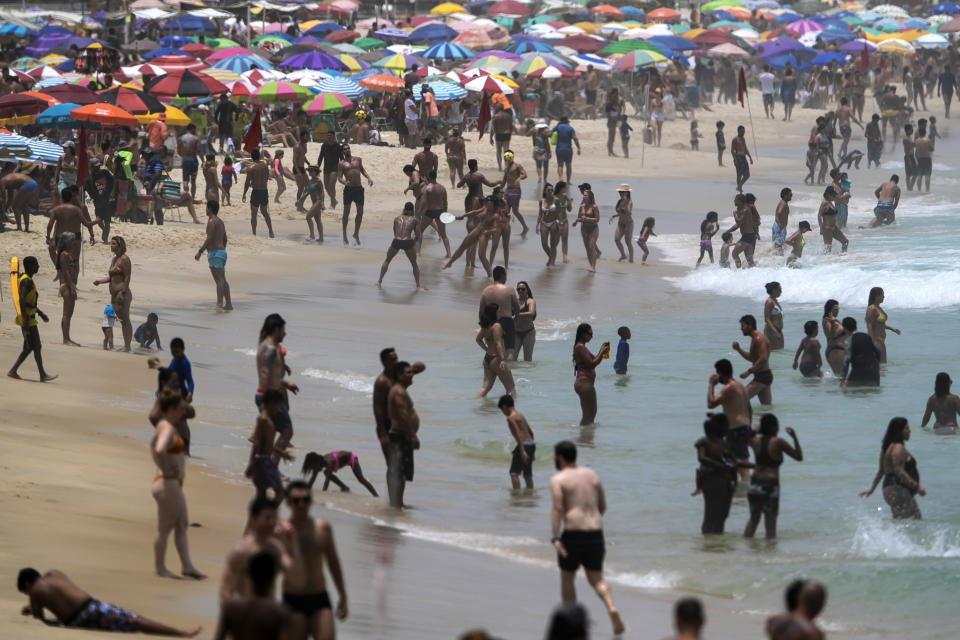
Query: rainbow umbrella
223, 75
399, 61
281, 92
328, 101
53, 59
24, 63
352, 64
637, 59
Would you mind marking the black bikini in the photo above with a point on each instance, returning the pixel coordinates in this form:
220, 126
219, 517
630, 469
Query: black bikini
522, 335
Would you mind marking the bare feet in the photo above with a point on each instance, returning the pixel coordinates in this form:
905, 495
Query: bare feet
618, 626
193, 573
229, 307
421, 288
379, 285
166, 573
192, 633
71, 343
356, 239
13, 374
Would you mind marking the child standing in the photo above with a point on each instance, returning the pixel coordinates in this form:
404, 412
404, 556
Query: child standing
523, 453
808, 353
694, 136
625, 130
708, 229
796, 243
181, 365
280, 172
933, 134
623, 351
107, 323
728, 243
147, 333
228, 177
645, 232
721, 142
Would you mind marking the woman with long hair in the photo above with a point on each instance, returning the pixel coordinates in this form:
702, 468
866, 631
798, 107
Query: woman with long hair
564, 206
584, 370
943, 405
589, 215
525, 329
877, 326
763, 494
548, 225
490, 339
118, 276
624, 215
898, 470
834, 336
773, 316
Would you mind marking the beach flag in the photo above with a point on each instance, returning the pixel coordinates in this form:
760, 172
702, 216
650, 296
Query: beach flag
741, 87
83, 163
484, 116
864, 59
254, 135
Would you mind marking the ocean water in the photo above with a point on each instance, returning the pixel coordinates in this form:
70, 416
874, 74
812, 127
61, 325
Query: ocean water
885, 579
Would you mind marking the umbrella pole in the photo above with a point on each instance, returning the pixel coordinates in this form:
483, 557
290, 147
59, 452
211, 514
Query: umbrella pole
753, 133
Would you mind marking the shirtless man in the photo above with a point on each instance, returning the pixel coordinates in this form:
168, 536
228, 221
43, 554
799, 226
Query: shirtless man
579, 505
759, 356
525, 449
21, 192
844, 116
781, 219
434, 204
211, 190
381, 388
264, 533
299, 163
455, 150
215, 245
943, 405
406, 233
74, 608
426, 161
404, 425
67, 217
590, 90
187, 146
350, 170
924, 149
331, 153
748, 223
309, 604
257, 175
888, 198
501, 129
258, 616
508, 306
474, 181
512, 176
736, 406
740, 153
796, 623
271, 369
909, 157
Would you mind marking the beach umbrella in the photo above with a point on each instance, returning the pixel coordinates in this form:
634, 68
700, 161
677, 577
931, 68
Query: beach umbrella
344, 86
197, 50
719, 4
399, 62
581, 44
24, 63
223, 75
72, 93
492, 64
104, 114
190, 23
382, 82
944, 8
368, 44
584, 60
607, 10
528, 46
53, 59
131, 101
347, 48
442, 91
18, 31
259, 76
47, 99
186, 84
312, 60
633, 12
488, 84
174, 41
12, 146
323, 28
447, 51
508, 8
432, 33
327, 102
143, 69
726, 50
241, 63
229, 52
672, 42
240, 88
551, 73
58, 116
14, 104
800, 27
663, 14
178, 63
352, 64
949, 27
896, 46
162, 51
342, 37
171, 115
44, 72
931, 41
447, 8
391, 33
31, 150
826, 58
856, 46
890, 11
280, 91
274, 40
638, 59
626, 46
220, 43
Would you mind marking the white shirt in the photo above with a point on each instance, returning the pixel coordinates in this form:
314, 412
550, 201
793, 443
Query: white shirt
410, 109
766, 82
107, 322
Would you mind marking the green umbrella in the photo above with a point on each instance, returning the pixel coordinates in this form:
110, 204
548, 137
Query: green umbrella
345, 47
368, 44
626, 46
220, 43
271, 38
538, 20
853, 21
720, 4
680, 28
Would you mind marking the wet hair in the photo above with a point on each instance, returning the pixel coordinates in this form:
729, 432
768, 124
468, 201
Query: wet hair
849, 324
769, 425
566, 450
255, 155
829, 192
272, 397
164, 375
213, 207
738, 199
688, 613
407, 206
300, 484
770, 286
432, 175
262, 568
894, 434
154, 317
749, 198
488, 317
270, 324
724, 367
472, 164
726, 236
168, 399
408, 169
941, 386
427, 141
546, 185
313, 461
568, 621
828, 305
649, 222
527, 285
813, 596
712, 216
810, 327
505, 401
385, 354
177, 343
499, 274
803, 224
749, 320
399, 367
582, 330
121, 243
784, 192
716, 425
257, 505
26, 577
874, 294
791, 595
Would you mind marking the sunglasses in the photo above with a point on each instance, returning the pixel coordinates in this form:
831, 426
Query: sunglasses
300, 500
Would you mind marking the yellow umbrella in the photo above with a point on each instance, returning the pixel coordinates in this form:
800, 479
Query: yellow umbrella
505, 80
16, 121
589, 27
692, 33
309, 24
223, 75
896, 46
447, 8
174, 117
52, 59
351, 63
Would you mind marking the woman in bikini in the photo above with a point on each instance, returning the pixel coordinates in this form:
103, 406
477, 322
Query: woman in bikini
168, 379
118, 276
67, 272
645, 232
584, 369
763, 493
944, 405
877, 326
166, 447
835, 337
589, 215
525, 329
502, 232
548, 225
564, 206
474, 181
773, 316
490, 339
898, 470
329, 464
477, 238
624, 216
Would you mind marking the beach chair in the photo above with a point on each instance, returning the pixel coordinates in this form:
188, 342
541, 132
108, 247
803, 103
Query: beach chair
169, 193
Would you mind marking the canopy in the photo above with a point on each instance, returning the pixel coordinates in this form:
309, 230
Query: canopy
186, 84
313, 60
58, 116
135, 102
382, 82
432, 33
508, 8
447, 51
442, 90
241, 63
105, 114
447, 8
31, 150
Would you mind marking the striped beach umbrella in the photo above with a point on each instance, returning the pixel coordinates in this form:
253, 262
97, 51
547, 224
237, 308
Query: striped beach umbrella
241, 63
223, 75
441, 90
327, 102
257, 77
312, 60
343, 86
398, 62
130, 100
173, 63
352, 64
493, 64
382, 82
240, 88
637, 59
488, 84
145, 69
447, 51
186, 84
280, 91
37, 151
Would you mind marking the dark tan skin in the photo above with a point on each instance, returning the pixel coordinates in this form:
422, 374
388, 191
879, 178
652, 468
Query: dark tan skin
773, 325
759, 355
434, 199
18, 200
501, 123
211, 188
456, 153
68, 217
835, 335
217, 240
478, 235
24, 288
475, 182
893, 461
381, 389
944, 409
349, 174
405, 227
521, 432
118, 277
877, 328
777, 448
426, 160
299, 165
68, 289
490, 339
589, 216
257, 175
624, 216
403, 417
584, 387
548, 226
736, 405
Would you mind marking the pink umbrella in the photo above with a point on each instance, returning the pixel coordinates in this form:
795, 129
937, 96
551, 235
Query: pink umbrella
176, 63
345, 5
800, 27
508, 8
727, 50
260, 76
461, 25
230, 52
487, 84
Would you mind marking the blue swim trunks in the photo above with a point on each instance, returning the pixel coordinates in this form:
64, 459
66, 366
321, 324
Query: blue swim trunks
30, 186
779, 234
190, 167
217, 259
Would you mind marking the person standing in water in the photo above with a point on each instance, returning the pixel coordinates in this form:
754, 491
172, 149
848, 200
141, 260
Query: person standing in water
579, 505
405, 235
717, 473
898, 470
876, 320
888, 198
797, 243
807, 358
505, 299
589, 215
763, 494
861, 364
564, 206
781, 220
381, 389
404, 425
623, 213
526, 330
584, 368
827, 219
708, 229
835, 336
740, 153
736, 407
773, 316
490, 340
944, 405
759, 356
526, 449
215, 245
548, 225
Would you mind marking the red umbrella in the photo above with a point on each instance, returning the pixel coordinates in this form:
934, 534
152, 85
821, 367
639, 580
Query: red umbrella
72, 93
176, 63
18, 104
21, 77
714, 37
197, 50
581, 43
339, 37
508, 8
104, 114
186, 84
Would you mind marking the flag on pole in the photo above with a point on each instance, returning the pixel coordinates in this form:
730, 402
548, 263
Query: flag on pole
864, 59
741, 87
484, 116
254, 134
83, 162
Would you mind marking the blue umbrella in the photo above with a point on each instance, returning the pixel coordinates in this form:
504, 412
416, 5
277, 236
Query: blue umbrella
58, 116
313, 60
826, 58
671, 42
343, 86
447, 51
720, 14
441, 90
324, 28
15, 30
917, 23
174, 41
391, 33
787, 17
66, 65
164, 51
528, 46
946, 8
31, 150
632, 12
49, 82
432, 33
13, 145
241, 63
779, 62
192, 24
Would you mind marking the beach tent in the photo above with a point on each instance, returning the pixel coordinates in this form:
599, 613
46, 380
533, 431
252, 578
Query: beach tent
190, 24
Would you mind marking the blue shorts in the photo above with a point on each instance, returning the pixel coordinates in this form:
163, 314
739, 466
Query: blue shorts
190, 167
30, 186
217, 259
564, 154
779, 234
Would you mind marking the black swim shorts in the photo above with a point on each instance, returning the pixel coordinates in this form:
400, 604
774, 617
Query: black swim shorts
509, 332
502, 137
354, 195
402, 245
307, 603
584, 548
259, 198
763, 377
517, 467
737, 440
591, 95
742, 167
281, 419
433, 213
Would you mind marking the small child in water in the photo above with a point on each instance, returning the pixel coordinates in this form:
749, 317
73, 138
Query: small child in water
645, 232
107, 323
808, 358
329, 464
796, 243
146, 334
933, 134
708, 229
728, 243
623, 351
694, 136
228, 177
526, 449
625, 130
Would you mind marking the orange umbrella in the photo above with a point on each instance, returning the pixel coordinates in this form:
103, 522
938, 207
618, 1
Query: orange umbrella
663, 13
41, 96
382, 82
103, 113
607, 10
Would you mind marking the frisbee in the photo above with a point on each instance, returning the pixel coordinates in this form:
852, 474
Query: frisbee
446, 217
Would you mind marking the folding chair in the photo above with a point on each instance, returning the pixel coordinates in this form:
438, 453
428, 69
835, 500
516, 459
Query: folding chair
170, 194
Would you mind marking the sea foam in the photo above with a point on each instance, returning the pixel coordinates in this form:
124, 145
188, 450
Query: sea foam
356, 382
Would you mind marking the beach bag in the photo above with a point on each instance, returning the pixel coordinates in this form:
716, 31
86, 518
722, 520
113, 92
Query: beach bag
648, 134
553, 138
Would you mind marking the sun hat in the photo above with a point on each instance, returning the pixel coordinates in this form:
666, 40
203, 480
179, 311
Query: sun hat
624, 187
542, 124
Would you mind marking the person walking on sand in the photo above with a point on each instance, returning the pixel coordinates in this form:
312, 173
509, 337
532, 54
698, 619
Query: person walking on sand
311, 611
763, 494
740, 153
215, 245
501, 130
118, 277
898, 470
27, 320
257, 175
167, 449
490, 340
405, 236
589, 215
67, 274
579, 505
759, 356
258, 616
381, 389
513, 174
455, 150
623, 212
329, 464
434, 201
523, 454
585, 364
350, 171
76, 609
736, 407
404, 425
188, 146
331, 153
566, 139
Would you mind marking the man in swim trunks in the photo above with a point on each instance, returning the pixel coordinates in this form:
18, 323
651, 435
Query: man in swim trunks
456, 152
74, 608
748, 221
924, 150
759, 356
513, 174
844, 116
888, 198
579, 505
434, 204
946, 83
426, 161
909, 156
299, 162
781, 219
215, 245
404, 425
271, 369
508, 305
381, 388
521, 462
350, 171
187, 146
736, 406
257, 175
590, 91
740, 152
331, 153
67, 217
258, 616
405, 236
501, 129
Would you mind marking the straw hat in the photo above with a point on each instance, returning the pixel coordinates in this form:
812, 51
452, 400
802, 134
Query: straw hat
624, 187
542, 124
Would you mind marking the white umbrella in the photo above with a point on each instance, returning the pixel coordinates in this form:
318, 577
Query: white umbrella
635, 33
571, 30
487, 84
891, 11
931, 41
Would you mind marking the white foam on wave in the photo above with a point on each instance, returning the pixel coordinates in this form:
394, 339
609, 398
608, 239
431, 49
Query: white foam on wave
247, 352
649, 580
356, 382
898, 164
554, 330
888, 540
